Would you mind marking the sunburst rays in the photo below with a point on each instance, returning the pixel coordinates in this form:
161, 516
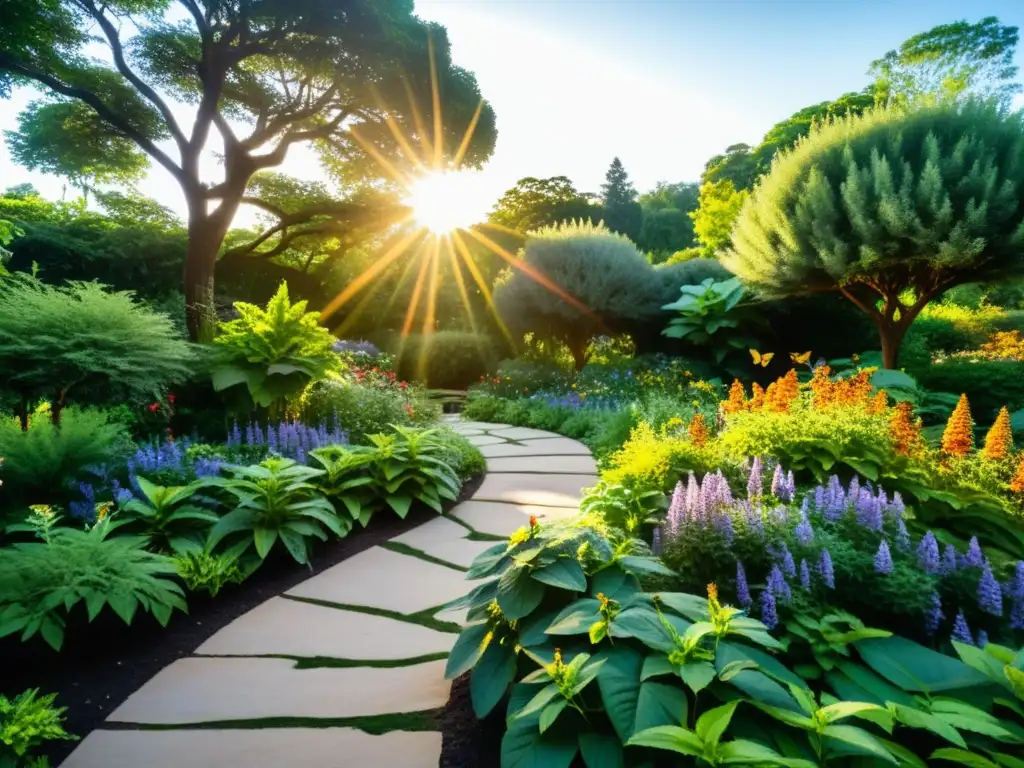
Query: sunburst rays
430, 251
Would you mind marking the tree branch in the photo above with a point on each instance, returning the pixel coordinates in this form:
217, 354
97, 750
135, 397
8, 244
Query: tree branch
868, 309
122, 66
101, 109
275, 125
276, 156
201, 23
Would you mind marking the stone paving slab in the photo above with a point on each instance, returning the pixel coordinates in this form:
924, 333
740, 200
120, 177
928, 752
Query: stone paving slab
271, 629
256, 748
197, 690
380, 578
482, 440
445, 540
543, 490
552, 465
522, 433
549, 446
484, 425
501, 519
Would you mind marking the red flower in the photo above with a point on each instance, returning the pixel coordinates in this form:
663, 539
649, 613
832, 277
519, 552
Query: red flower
153, 407
170, 399
404, 384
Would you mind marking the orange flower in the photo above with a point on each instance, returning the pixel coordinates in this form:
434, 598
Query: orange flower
787, 390
999, 439
905, 430
757, 397
1017, 483
958, 439
878, 403
533, 521
698, 429
822, 388
737, 398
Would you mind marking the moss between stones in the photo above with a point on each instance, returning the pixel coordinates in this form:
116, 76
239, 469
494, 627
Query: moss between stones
405, 549
325, 662
423, 618
375, 725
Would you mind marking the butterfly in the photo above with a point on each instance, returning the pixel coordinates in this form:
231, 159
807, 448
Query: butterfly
760, 359
800, 359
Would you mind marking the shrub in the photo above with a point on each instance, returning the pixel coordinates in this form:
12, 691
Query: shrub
357, 409
575, 281
208, 572
41, 464
461, 455
41, 581
166, 518
692, 271
83, 342
269, 355
652, 460
27, 722
989, 385
447, 359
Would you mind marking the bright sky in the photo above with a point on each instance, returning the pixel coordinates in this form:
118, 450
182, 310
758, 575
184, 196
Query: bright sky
663, 84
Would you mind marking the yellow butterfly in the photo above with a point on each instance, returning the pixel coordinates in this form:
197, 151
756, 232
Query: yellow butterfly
760, 359
800, 359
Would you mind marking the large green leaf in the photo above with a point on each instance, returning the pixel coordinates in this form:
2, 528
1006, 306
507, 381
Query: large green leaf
576, 618
564, 573
660, 704
518, 594
672, 738
859, 740
712, 723
963, 757
915, 718
468, 648
729, 652
619, 684
601, 750
692, 607
491, 677
614, 583
529, 748
642, 622
915, 668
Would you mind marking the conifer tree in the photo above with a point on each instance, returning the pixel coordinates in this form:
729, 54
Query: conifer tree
958, 438
622, 213
999, 440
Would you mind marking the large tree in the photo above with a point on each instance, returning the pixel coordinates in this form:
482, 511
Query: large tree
537, 203
622, 213
890, 209
719, 205
353, 79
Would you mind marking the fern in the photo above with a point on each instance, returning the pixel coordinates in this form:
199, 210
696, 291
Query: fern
41, 582
26, 722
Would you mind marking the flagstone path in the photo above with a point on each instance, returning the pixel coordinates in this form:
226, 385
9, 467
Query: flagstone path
347, 668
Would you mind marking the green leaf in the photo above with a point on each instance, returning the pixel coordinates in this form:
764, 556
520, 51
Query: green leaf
492, 675
642, 622
614, 583
551, 712
672, 738
637, 564
963, 757
535, 706
904, 755
697, 674
712, 724
468, 648
399, 503
692, 607
528, 748
601, 750
915, 718
915, 668
518, 594
843, 709
660, 704
619, 684
729, 652
862, 741
657, 665
744, 752
564, 573
576, 618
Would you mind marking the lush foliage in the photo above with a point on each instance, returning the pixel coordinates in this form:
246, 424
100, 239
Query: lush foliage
27, 722
447, 359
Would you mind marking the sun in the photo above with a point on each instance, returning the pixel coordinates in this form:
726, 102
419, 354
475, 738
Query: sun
446, 201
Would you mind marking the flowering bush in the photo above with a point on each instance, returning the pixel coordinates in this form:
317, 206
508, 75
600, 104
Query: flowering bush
782, 552
364, 404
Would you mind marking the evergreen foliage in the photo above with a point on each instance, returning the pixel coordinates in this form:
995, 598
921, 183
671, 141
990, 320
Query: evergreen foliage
885, 203
720, 204
622, 213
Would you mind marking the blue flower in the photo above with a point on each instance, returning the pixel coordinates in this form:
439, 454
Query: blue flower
769, 615
742, 588
933, 616
948, 564
804, 532
1017, 613
974, 556
755, 484
961, 632
902, 536
805, 575
778, 586
788, 566
778, 483
676, 510
825, 569
990, 595
883, 558
928, 554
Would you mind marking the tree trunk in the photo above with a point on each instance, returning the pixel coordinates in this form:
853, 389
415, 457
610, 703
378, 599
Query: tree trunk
200, 262
579, 354
57, 407
891, 336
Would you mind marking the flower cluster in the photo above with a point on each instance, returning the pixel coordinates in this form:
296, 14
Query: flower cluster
293, 440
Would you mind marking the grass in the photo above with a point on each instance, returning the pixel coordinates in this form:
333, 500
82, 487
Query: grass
423, 618
405, 549
330, 662
375, 725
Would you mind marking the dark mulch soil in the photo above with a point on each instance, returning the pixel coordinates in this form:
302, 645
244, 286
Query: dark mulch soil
467, 742
102, 664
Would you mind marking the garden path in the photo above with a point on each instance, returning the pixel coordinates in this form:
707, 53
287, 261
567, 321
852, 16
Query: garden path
347, 668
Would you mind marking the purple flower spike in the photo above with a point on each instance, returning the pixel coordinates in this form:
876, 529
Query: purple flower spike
769, 615
883, 558
1017, 614
742, 588
676, 509
948, 564
897, 507
1016, 584
805, 575
854, 492
692, 497
961, 632
933, 616
723, 522
778, 483
778, 586
825, 569
788, 566
990, 595
819, 499
928, 554
804, 532
902, 536
974, 556
755, 485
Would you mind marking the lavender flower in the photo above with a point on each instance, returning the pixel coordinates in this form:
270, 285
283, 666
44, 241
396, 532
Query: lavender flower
804, 532
990, 595
778, 482
897, 507
883, 558
1015, 587
928, 554
854, 491
778, 586
869, 511
819, 499
723, 522
755, 485
769, 614
676, 509
825, 569
948, 564
742, 588
805, 574
788, 566
692, 499
974, 556
1017, 614
85, 509
790, 487
933, 616
902, 536
961, 632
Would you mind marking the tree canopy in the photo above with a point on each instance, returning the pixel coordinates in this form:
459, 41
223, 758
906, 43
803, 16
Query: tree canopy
353, 80
537, 203
890, 208
622, 213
